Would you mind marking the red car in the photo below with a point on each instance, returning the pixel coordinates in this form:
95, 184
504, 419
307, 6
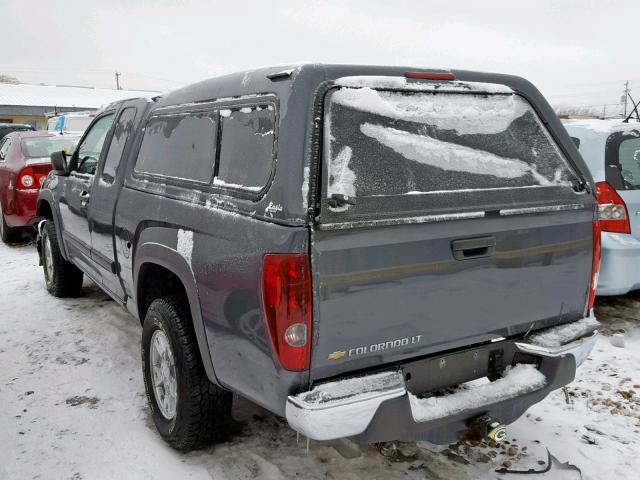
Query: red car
24, 163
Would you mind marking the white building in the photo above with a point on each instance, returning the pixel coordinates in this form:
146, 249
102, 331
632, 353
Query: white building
22, 103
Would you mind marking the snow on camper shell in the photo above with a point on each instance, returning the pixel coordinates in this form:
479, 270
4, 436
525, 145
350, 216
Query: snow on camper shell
425, 139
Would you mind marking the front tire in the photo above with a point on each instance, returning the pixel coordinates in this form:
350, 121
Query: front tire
63, 279
7, 233
188, 410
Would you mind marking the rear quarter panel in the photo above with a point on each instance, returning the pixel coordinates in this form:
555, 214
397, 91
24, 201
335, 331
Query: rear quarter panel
223, 253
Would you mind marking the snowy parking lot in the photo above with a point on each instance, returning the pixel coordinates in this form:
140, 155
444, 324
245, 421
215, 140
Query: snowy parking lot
73, 407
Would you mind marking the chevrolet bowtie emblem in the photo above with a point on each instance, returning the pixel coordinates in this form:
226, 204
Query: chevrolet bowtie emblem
336, 355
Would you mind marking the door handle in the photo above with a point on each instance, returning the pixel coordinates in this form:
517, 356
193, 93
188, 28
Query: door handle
85, 194
470, 248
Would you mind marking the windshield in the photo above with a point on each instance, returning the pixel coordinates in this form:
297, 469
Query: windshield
390, 143
77, 124
45, 146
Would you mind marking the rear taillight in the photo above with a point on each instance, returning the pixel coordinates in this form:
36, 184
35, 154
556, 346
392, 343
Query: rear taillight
595, 265
286, 296
29, 179
612, 211
430, 75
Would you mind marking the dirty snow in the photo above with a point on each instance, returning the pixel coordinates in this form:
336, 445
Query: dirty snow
467, 114
185, 244
517, 380
73, 406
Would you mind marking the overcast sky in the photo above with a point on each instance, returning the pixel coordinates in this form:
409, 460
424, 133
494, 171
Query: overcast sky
576, 51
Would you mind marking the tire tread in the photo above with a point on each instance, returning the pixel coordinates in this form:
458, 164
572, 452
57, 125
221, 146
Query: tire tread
67, 278
205, 411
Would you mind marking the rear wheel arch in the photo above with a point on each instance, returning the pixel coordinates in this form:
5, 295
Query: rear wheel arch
160, 271
45, 209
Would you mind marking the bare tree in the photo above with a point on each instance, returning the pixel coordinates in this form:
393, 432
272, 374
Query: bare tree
568, 110
8, 79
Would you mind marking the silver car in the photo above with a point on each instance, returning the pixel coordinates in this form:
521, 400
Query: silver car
611, 150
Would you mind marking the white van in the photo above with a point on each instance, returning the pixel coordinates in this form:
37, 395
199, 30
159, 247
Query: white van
76, 122
611, 150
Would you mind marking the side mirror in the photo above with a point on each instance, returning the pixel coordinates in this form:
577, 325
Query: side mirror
59, 163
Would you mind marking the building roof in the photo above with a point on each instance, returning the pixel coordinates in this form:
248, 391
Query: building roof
50, 96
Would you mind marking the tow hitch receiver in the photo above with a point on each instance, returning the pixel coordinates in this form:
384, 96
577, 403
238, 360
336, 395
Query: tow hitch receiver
489, 428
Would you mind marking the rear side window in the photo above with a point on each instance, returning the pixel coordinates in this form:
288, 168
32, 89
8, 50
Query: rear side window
629, 161
246, 147
180, 145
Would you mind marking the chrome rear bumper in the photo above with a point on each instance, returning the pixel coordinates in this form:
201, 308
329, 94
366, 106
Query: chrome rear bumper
347, 408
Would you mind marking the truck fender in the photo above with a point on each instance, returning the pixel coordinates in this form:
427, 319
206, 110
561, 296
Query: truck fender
170, 259
46, 197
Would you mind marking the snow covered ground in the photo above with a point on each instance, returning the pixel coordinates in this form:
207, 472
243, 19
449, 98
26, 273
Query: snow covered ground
73, 407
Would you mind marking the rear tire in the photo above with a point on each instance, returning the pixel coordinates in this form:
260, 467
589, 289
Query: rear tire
63, 278
8, 234
188, 410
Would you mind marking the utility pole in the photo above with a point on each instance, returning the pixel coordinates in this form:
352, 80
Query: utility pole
626, 96
118, 88
604, 111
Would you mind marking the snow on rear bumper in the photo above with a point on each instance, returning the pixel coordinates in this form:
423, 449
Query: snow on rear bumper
379, 407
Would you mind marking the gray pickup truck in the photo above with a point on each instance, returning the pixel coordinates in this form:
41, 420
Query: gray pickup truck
371, 252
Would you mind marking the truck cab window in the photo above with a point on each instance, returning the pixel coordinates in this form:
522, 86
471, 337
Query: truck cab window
123, 128
88, 152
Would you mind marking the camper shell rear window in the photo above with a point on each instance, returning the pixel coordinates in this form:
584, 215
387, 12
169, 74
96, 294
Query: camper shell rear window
401, 152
